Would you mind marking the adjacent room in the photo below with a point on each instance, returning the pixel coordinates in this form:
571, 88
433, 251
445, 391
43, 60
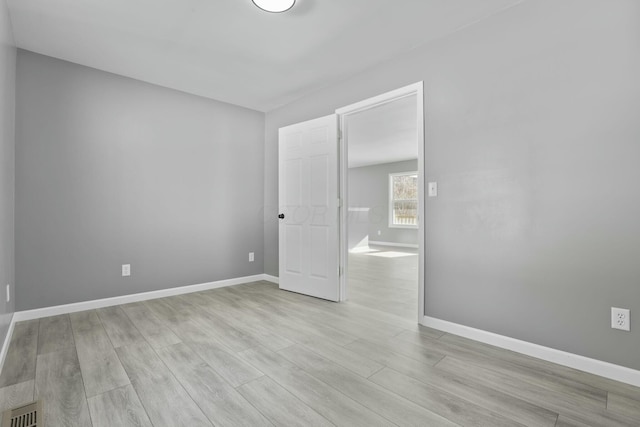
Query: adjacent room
382, 198
317, 213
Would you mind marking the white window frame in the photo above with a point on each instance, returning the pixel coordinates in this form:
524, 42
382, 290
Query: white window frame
391, 200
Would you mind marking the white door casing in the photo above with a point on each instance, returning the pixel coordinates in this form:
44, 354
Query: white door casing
308, 199
416, 89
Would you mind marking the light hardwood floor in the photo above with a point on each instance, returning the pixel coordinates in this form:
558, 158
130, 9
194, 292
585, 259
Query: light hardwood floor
251, 355
385, 279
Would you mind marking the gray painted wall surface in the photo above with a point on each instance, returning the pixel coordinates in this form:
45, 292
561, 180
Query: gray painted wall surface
110, 170
369, 188
7, 156
532, 132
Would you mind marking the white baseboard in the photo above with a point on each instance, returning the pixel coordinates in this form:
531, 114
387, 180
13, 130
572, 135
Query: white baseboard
7, 341
38, 313
593, 366
393, 245
272, 279
575, 361
125, 299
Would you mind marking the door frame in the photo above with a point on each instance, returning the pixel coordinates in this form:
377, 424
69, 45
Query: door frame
343, 113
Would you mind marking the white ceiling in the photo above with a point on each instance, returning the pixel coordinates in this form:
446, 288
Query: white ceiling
232, 51
383, 134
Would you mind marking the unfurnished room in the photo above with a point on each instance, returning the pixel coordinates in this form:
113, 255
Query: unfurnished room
319, 213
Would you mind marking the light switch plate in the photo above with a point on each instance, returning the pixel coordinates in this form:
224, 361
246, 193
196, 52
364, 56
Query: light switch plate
433, 189
126, 270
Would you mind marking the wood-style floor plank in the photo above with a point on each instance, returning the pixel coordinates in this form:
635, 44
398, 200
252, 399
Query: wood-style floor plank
445, 404
255, 331
191, 323
224, 333
252, 355
219, 401
296, 323
391, 406
166, 401
520, 366
344, 357
508, 363
151, 328
119, 328
20, 361
460, 386
568, 422
624, 406
244, 311
574, 406
16, 395
322, 314
327, 401
167, 312
101, 368
389, 353
280, 406
55, 334
326, 312
572, 377
59, 385
233, 369
118, 407
370, 275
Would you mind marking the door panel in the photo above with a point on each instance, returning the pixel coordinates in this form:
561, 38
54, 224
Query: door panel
320, 251
293, 241
308, 186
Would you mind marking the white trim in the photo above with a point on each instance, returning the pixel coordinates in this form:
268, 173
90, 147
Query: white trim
272, 279
392, 244
575, 361
125, 299
381, 99
416, 89
7, 341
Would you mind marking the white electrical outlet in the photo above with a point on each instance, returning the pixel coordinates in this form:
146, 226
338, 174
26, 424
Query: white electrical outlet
126, 269
251, 257
620, 319
8, 293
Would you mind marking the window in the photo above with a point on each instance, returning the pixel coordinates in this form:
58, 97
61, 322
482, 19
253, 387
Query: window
403, 200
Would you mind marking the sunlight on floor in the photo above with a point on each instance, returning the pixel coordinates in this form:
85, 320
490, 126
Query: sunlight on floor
362, 250
390, 254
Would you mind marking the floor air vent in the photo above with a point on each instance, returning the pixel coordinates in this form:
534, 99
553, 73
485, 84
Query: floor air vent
24, 416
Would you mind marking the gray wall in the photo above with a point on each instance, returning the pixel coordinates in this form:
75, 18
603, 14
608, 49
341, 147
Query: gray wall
7, 150
110, 170
532, 132
369, 188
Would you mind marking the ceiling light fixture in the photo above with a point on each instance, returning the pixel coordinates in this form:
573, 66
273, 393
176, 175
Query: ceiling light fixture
274, 6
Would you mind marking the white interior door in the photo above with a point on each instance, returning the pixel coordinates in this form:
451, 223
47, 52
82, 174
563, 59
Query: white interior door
308, 199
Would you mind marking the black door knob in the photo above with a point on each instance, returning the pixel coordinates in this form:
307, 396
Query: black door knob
281, 216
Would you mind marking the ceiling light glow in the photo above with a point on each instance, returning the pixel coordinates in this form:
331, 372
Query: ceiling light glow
274, 6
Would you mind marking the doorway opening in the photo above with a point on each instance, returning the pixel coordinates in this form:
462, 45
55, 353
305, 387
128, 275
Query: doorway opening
382, 193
